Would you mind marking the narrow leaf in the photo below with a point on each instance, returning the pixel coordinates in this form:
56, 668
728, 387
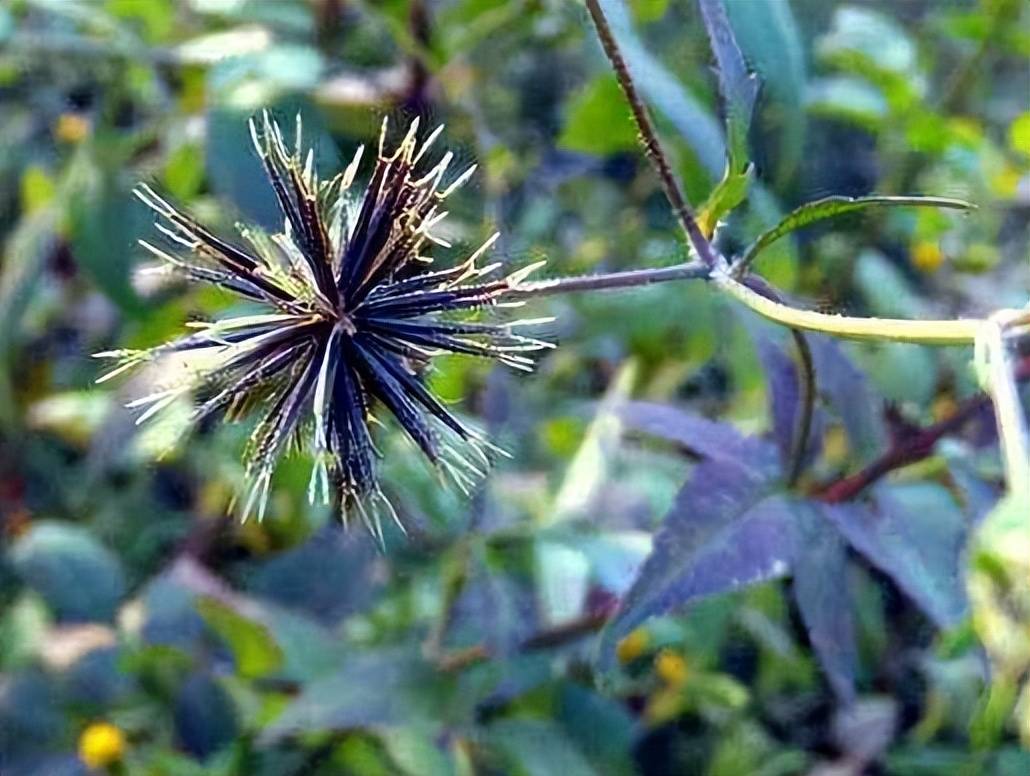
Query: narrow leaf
829, 207
738, 87
700, 436
769, 37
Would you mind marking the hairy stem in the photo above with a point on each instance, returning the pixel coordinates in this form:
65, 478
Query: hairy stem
694, 270
649, 136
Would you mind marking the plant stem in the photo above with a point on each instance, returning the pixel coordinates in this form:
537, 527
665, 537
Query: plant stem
649, 137
914, 447
806, 407
693, 270
950, 332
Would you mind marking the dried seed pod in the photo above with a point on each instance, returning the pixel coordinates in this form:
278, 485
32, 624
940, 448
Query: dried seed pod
354, 314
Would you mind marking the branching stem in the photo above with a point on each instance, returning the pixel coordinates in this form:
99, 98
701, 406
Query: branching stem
649, 137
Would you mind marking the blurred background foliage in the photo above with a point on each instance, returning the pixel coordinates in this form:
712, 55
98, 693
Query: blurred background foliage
144, 631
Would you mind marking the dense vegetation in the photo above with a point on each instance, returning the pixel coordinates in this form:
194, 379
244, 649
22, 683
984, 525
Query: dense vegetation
718, 546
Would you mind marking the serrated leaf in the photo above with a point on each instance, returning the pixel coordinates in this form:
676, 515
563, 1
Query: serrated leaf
738, 88
722, 533
821, 592
769, 37
78, 577
693, 121
915, 535
828, 207
253, 648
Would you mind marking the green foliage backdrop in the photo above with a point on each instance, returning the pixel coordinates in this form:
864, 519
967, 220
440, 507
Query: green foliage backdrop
584, 611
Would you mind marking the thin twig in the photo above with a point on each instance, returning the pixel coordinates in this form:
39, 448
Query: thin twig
649, 137
549, 638
806, 384
913, 447
694, 270
806, 407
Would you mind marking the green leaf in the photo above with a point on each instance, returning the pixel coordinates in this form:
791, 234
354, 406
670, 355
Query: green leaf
724, 198
28, 246
76, 575
105, 222
535, 747
830, 207
864, 39
382, 687
601, 728
598, 120
253, 648
693, 121
737, 86
847, 99
416, 753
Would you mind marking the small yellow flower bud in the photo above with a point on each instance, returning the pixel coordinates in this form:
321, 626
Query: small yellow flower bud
71, 127
632, 646
101, 744
927, 256
671, 668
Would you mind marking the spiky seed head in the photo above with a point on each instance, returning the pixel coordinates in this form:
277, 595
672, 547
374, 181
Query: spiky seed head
353, 314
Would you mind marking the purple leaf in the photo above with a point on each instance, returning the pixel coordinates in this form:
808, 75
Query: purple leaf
700, 436
724, 532
781, 374
915, 535
846, 390
822, 595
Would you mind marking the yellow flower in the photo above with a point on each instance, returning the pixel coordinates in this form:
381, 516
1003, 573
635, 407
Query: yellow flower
671, 668
927, 256
101, 744
633, 646
71, 127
